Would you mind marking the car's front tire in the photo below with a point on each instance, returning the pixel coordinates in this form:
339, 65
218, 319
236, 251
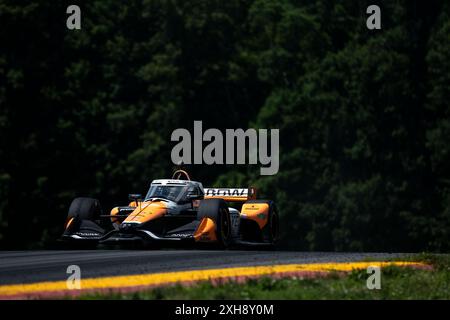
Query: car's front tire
217, 210
85, 209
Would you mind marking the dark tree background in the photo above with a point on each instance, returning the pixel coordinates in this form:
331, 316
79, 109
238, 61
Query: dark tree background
364, 115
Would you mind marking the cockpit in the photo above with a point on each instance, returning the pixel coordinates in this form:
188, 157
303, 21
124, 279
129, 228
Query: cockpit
178, 193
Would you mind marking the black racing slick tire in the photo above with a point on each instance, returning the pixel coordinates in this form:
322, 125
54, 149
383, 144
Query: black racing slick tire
274, 225
83, 217
217, 210
85, 209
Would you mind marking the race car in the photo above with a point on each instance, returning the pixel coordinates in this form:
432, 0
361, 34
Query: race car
180, 210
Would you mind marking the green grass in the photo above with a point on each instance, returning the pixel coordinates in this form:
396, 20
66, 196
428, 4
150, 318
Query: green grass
396, 283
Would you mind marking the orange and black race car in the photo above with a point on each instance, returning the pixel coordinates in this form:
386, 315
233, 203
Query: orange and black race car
177, 210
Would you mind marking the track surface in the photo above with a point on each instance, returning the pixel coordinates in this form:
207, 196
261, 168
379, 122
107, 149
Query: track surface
33, 266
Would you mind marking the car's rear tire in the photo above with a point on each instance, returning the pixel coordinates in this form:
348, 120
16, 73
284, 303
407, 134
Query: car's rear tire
274, 225
85, 209
271, 231
217, 210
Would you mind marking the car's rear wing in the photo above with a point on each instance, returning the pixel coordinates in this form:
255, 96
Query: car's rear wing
231, 194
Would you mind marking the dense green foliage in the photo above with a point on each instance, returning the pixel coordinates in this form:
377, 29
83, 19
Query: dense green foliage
363, 115
396, 283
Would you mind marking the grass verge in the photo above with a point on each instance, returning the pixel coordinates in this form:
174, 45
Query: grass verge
396, 283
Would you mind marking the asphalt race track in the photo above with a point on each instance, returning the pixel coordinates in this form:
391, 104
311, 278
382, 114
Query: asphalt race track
33, 266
